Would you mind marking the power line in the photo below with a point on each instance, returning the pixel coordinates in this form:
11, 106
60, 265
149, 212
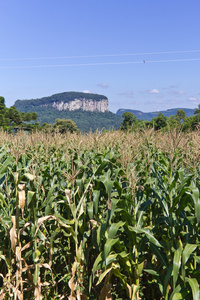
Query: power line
104, 64
101, 55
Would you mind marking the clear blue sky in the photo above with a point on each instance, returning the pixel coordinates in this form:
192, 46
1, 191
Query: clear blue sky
54, 46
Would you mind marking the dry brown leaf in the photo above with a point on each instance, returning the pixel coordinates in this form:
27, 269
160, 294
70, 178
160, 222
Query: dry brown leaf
18, 253
42, 219
45, 265
80, 296
13, 234
105, 293
71, 283
50, 255
22, 200
2, 295
108, 202
68, 195
37, 292
21, 186
129, 290
26, 246
71, 298
26, 225
72, 286
84, 297
28, 267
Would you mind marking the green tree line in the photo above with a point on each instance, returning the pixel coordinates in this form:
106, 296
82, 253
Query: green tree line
161, 122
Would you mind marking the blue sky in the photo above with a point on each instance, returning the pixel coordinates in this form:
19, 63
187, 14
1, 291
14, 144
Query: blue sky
49, 47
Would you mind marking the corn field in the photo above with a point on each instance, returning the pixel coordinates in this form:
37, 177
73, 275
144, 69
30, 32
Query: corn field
109, 215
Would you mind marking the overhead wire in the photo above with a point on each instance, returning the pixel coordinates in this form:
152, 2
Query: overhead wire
102, 63
100, 55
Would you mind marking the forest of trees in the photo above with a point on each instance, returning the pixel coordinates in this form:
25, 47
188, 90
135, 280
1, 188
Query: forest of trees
161, 122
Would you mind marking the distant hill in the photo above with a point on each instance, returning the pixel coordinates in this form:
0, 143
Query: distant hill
88, 111
150, 115
67, 101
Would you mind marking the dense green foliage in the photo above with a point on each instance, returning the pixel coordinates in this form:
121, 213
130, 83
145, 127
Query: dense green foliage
11, 117
161, 122
85, 120
148, 116
64, 126
129, 121
112, 215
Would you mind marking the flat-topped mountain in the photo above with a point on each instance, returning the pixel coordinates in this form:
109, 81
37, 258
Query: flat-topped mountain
67, 101
148, 116
88, 111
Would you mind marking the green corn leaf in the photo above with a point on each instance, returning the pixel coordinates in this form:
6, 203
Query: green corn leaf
5, 165
79, 209
176, 265
160, 254
166, 281
36, 274
110, 258
114, 203
101, 277
195, 197
108, 245
197, 258
114, 228
148, 234
152, 272
140, 268
175, 291
30, 196
117, 273
101, 167
96, 195
177, 296
189, 248
97, 263
142, 209
108, 183
194, 286
90, 210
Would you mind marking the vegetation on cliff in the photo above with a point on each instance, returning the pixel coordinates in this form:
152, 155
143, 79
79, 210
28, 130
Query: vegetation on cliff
27, 105
85, 120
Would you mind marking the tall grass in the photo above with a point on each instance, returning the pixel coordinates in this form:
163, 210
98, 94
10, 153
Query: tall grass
105, 215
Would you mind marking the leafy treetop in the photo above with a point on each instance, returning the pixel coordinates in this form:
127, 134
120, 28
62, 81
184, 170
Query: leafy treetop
12, 117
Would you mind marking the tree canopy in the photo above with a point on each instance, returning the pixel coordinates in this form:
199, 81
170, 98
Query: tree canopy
128, 122
12, 117
65, 125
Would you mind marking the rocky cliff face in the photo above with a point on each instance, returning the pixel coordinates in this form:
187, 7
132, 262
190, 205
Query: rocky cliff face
67, 101
83, 104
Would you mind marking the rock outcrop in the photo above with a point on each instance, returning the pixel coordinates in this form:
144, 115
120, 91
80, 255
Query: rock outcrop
70, 101
83, 104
